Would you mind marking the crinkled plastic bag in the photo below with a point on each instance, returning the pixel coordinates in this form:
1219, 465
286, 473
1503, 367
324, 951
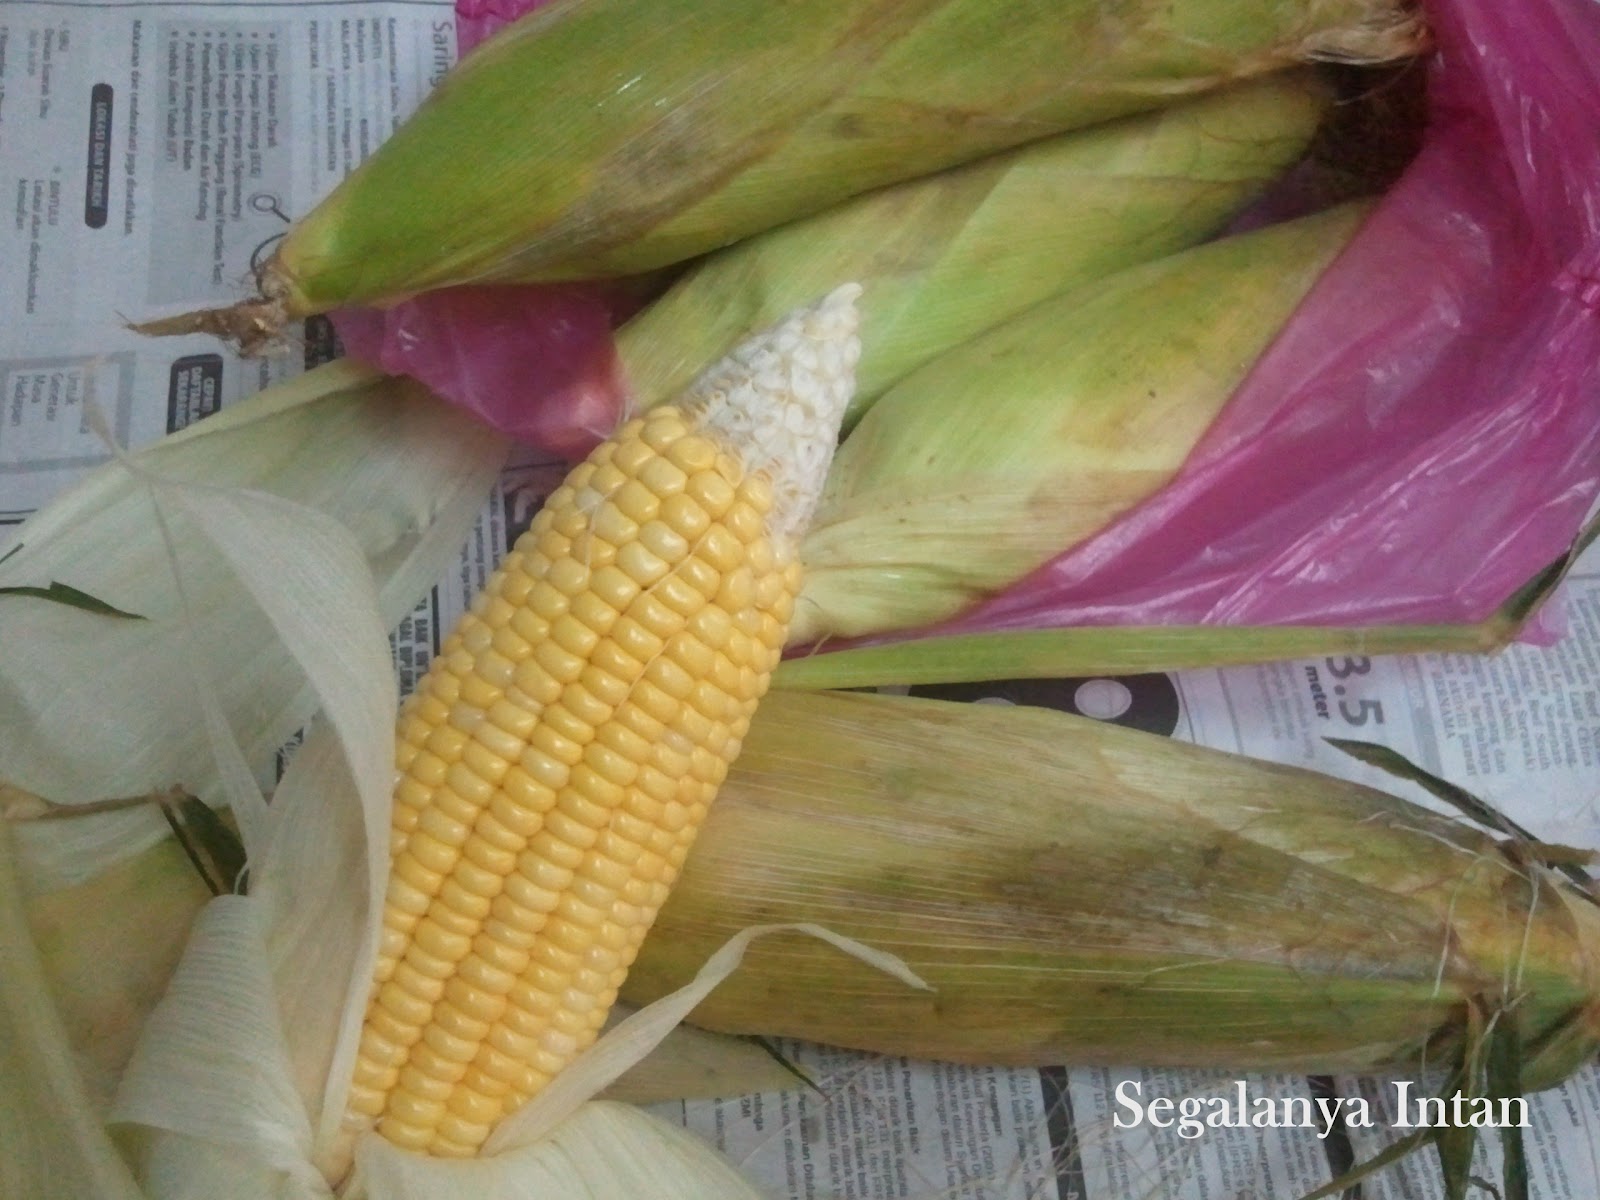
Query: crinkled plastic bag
477, 19
536, 362
1425, 435
1420, 441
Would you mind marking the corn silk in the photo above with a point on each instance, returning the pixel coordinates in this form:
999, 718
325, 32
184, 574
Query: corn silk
1421, 440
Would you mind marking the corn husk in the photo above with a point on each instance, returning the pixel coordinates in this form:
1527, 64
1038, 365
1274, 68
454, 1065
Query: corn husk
603, 138
944, 257
314, 513
1009, 449
107, 946
51, 1136
604, 1152
1079, 893
1077, 652
343, 493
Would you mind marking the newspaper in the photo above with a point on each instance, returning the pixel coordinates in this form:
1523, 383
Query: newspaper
151, 155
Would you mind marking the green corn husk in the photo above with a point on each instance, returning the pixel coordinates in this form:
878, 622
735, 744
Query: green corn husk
1131, 649
1111, 650
1078, 893
947, 256
1009, 449
609, 137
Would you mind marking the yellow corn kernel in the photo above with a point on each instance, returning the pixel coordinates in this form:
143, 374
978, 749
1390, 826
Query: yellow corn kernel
712, 493
684, 517
632, 453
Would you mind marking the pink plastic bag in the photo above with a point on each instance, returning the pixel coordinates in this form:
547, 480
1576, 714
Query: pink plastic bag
535, 362
1420, 441
1425, 435
477, 19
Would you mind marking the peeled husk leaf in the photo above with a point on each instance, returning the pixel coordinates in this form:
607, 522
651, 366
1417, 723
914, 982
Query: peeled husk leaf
603, 1150
946, 256
309, 516
1004, 452
52, 1142
604, 143
1080, 893
696, 1064
328, 483
107, 946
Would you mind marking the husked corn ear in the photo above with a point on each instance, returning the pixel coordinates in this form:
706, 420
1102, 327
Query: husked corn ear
943, 257
559, 755
1011, 448
614, 137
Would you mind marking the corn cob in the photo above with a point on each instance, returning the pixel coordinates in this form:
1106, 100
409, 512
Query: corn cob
558, 757
608, 137
1080, 893
946, 256
1007, 450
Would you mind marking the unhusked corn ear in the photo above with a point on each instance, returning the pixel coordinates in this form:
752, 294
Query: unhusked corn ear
943, 257
598, 138
1011, 448
559, 756
1077, 892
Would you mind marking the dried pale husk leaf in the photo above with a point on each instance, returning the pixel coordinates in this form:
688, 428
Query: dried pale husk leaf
323, 874
235, 1064
340, 476
1080, 893
604, 1151
284, 972
52, 1142
1004, 452
107, 947
176, 1167
268, 550
946, 256
696, 1064
213, 1061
